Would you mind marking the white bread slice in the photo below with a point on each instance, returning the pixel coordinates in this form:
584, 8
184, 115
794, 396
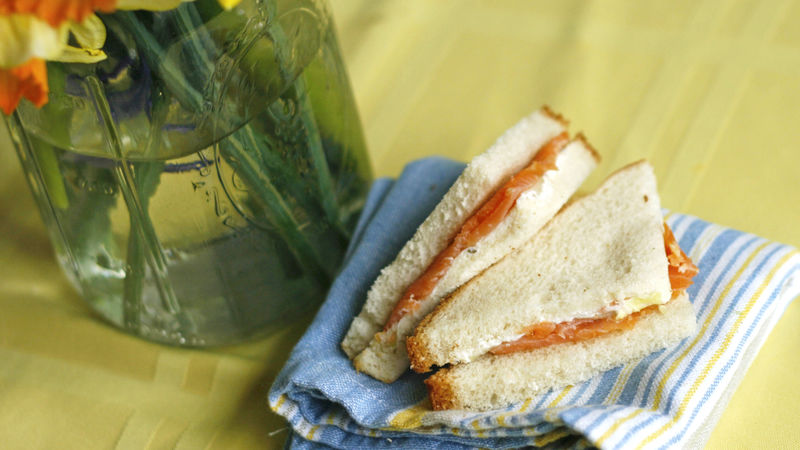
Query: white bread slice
386, 358
484, 175
496, 381
604, 248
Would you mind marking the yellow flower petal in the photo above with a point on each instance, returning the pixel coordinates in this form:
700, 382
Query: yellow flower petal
150, 5
23, 36
91, 36
163, 5
72, 54
91, 33
228, 4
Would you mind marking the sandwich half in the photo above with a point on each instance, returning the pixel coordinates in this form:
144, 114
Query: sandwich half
603, 283
503, 197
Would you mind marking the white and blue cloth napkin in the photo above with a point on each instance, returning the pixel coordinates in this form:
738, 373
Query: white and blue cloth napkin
671, 398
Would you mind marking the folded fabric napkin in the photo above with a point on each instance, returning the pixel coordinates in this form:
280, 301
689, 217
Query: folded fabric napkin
671, 398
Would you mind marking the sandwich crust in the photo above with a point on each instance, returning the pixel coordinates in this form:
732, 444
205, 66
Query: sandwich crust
555, 116
581, 137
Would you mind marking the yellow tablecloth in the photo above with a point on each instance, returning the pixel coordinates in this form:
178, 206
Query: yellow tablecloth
707, 90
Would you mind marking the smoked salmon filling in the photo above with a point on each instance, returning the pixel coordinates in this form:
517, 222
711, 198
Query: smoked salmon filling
481, 223
681, 272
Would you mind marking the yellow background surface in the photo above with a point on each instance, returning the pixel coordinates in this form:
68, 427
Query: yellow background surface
708, 91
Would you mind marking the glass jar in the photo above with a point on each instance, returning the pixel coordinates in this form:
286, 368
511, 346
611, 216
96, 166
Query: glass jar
202, 182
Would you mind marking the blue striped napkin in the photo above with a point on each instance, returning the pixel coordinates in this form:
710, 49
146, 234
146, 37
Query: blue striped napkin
672, 398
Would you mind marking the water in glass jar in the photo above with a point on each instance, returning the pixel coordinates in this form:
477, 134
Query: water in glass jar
244, 233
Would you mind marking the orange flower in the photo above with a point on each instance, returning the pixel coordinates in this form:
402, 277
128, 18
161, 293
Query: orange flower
55, 12
28, 80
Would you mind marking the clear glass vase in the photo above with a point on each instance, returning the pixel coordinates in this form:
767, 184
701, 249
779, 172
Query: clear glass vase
201, 183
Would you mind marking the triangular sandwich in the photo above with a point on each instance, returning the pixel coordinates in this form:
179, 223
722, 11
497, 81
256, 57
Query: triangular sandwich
603, 283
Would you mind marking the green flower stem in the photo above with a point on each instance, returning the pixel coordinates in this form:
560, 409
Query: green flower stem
24, 147
147, 177
282, 174
248, 166
326, 189
319, 161
161, 63
45, 154
133, 284
140, 221
51, 174
190, 25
